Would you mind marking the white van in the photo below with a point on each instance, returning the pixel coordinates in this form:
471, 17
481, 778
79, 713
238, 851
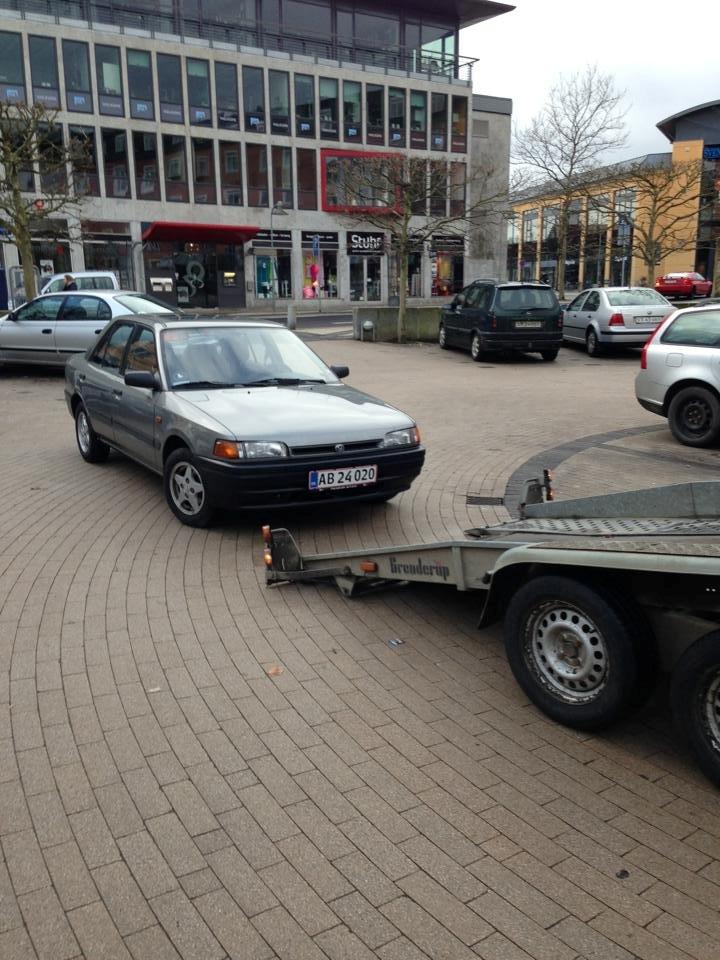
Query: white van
85, 280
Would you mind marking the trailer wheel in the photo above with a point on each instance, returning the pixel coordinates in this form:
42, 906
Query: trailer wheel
695, 698
574, 650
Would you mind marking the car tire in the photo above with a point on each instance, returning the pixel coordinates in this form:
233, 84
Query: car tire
577, 651
185, 489
549, 355
694, 416
91, 447
442, 337
592, 343
476, 350
695, 701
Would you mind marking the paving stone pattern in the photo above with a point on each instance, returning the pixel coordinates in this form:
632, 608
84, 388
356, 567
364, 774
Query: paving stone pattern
165, 794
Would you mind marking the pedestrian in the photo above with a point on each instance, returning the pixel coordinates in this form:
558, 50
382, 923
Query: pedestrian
69, 282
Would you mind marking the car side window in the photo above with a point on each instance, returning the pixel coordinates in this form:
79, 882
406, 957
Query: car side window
485, 298
45, 310
110, 351
472, 296
577, 302
86, 308
142, 353
593, 301
56, 285
694, 329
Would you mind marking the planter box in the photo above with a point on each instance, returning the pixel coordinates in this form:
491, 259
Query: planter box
421, 323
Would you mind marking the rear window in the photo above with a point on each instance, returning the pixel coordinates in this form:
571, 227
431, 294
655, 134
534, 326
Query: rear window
525, 298
634, 298
694, 329
138, 303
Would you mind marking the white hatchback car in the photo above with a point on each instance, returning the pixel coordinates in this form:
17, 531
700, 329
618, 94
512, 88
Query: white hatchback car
606, 317
679, 374
53, 327
84, 280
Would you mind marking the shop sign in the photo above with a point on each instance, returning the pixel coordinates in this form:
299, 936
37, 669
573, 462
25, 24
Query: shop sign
325, 241
711, 153
365, 243
280, 238
448, 242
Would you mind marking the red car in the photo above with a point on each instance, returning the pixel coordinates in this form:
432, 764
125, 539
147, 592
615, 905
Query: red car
683, 285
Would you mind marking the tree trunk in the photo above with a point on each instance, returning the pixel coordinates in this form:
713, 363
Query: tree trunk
402, 294
22, 241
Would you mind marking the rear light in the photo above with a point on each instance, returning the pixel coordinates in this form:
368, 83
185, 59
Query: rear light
643, 354
617, 320
561, 320
493, 321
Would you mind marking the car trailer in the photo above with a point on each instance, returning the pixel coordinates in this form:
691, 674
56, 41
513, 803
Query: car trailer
597, 594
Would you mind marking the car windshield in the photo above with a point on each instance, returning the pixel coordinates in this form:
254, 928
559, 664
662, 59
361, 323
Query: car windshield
139, 303
525, 298
206, 357
640, 297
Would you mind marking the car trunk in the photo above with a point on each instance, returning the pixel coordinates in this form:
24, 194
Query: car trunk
639, 311
526, 310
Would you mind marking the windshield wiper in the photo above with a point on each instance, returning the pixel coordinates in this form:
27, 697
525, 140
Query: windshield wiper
204, 384
281, 382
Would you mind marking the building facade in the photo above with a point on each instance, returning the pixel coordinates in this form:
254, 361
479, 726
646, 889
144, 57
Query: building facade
211, 127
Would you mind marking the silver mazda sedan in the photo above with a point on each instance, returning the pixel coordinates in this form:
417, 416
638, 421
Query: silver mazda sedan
236, 415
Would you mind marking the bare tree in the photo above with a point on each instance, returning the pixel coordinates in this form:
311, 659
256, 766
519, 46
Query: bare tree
411, 200
32, 150
582, 121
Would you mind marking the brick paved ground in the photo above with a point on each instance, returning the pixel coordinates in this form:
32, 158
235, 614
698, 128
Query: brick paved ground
165, 793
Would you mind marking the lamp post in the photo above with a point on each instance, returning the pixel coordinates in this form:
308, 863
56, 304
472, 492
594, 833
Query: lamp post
278, 208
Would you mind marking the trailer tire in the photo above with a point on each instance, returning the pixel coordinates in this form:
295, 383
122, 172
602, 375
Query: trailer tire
695, 699
575, 650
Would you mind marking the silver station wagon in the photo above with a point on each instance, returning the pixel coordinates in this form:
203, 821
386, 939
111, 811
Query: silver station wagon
236, 415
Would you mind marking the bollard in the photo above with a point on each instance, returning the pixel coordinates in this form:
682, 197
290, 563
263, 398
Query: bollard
291, 316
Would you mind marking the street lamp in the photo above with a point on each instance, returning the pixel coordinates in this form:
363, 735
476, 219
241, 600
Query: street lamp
277, 208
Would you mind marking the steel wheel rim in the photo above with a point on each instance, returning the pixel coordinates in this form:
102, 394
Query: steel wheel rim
696, 416
566, 652
475, 346
710, 708
83, 431
187, 489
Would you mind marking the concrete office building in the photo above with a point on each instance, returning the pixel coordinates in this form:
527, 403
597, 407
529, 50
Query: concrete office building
212, 126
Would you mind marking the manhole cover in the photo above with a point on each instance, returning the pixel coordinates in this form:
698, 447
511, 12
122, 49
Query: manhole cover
479, 500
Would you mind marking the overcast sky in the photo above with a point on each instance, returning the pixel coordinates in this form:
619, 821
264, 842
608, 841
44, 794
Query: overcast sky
663, 53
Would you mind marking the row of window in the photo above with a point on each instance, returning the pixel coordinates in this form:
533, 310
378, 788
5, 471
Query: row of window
274, 101
600, 212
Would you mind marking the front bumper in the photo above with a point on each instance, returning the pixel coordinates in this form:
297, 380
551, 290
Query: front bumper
284, 482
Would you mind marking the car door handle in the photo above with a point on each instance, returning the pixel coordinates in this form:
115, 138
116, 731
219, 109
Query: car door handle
47, 330
99, 330
117, 393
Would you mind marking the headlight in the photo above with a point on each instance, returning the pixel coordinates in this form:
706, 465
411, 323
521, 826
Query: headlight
409, 437
249, 449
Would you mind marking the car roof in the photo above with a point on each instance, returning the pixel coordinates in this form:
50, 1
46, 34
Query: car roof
91, 293
162, 321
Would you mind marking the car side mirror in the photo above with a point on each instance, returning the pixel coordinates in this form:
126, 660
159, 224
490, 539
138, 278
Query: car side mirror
142, 378
11, 315
341, 372
459, 300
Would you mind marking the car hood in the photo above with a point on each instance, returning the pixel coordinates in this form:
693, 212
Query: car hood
304, 415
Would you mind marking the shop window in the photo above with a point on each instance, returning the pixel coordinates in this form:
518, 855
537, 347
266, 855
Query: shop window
257, 174
175, 159
375, 113
76, 70
418, 120
397, 109
44, 71
170, 88
203, 156
115, 157
438, 189
282, 176
254, 99
145, 155
279, 87
438, 121
447, 266
306, 180
352, 110
51, 156
110, 253
198, 80
12, 75
109, 81
328, 109
304, 105
140, 85
457, 189
458, 129
231, 173
226, 96
83, 151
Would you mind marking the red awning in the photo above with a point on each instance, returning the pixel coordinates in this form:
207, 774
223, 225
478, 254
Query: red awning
199, 232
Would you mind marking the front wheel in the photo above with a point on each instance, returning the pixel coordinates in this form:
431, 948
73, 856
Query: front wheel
91, 447
575, 650
695, 699
476, 350
592, 344
549, 355
694, 417
185, 489
442, 338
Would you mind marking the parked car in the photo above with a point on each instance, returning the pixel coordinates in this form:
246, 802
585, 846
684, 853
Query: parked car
683, 285
85, 280
606, 317
236, 415
679, 375
54, 326
490, 316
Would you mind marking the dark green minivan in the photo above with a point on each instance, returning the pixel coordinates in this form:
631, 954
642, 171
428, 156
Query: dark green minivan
492, 316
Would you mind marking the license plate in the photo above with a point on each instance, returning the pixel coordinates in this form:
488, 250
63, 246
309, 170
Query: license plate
647, 320
341, 477
528, 324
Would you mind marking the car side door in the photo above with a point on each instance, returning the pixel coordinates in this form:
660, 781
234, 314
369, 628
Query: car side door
452, 318
134, 411
469, 314
573, 327
100, 382
79, 323
588, 314
28, 334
